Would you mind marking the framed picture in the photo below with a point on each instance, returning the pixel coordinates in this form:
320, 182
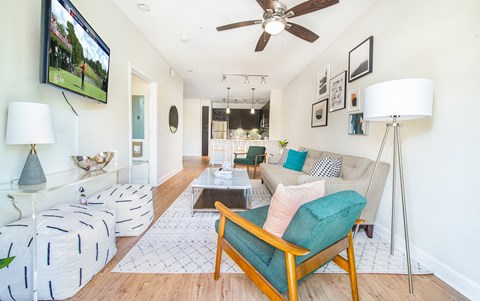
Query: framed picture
354, 100
338, 85
360, 60
320, 113
356, 124
322, 82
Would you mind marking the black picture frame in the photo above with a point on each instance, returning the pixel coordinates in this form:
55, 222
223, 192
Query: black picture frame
319, 113
360, 60
338, 92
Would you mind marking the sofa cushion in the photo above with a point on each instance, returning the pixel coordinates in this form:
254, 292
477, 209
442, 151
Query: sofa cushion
327, 167
312, 157
352, 167
276, 174
285, 202
295, 160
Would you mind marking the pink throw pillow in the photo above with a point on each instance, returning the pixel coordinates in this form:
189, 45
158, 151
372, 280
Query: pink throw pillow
285, 202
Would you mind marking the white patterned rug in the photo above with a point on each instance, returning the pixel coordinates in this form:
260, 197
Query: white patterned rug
181, 243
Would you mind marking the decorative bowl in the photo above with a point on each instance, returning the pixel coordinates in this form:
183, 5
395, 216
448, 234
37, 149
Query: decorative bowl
98, 162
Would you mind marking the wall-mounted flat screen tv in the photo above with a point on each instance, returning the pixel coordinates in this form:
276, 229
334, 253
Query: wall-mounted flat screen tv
74, 57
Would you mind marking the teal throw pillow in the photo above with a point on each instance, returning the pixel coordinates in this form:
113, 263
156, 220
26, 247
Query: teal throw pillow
295, 160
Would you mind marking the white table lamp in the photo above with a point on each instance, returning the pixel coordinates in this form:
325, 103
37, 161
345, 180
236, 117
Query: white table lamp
404, 99
30, 123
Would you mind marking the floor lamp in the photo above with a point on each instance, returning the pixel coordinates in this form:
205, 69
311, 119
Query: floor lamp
390, 102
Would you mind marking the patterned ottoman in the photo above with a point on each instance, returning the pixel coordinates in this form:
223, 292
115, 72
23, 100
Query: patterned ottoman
73, 244
134, 207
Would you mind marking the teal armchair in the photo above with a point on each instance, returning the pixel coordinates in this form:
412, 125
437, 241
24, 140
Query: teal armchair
254, 156
317, 234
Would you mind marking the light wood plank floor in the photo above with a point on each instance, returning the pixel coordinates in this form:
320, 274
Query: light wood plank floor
121, 286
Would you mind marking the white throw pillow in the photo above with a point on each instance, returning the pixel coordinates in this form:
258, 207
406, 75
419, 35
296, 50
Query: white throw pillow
285, 202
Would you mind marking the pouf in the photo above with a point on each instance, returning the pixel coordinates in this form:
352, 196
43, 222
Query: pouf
134, 206
73, 244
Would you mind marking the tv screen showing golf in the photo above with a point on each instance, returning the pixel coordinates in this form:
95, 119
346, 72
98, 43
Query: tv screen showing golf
74, 56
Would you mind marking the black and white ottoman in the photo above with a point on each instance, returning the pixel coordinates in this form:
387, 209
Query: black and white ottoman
134, 206
73, 244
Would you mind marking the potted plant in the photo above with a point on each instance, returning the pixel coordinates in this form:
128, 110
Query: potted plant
5, 261
283, 143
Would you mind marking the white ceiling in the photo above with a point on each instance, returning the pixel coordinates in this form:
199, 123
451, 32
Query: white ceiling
208, 54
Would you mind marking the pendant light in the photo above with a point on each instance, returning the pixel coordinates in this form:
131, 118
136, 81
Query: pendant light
252, 110
228, 100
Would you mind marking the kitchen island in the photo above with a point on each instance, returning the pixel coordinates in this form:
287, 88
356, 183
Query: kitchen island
221, 150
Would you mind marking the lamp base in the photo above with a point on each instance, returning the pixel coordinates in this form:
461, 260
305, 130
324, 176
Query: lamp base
32, 173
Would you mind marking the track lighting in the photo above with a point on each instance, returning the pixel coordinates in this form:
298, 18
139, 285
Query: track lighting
263, 77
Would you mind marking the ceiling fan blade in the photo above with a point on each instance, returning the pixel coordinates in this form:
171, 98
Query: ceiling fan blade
266, 4
262, 42
302, 32
239, 24
311, 6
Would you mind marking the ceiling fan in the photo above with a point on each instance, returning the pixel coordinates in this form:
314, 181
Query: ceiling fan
275, 20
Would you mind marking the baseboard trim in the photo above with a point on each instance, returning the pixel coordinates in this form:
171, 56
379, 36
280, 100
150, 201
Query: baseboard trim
452, 277
163, 179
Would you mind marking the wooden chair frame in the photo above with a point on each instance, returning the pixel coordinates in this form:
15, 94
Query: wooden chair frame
294, 273
248, 165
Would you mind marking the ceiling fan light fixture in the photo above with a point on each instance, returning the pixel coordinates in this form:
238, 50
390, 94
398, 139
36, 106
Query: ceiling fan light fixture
274, 25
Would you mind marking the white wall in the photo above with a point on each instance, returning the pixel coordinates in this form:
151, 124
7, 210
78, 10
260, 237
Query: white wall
98, 127
431, 39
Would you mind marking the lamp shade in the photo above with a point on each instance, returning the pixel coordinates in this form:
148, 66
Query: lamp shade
405, 99
29, 123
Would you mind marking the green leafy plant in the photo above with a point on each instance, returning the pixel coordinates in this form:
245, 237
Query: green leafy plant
283, 143
5, 261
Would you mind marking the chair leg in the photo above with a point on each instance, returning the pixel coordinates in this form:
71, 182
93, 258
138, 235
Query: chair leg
291, 277
218, 260
254, 171
352, 270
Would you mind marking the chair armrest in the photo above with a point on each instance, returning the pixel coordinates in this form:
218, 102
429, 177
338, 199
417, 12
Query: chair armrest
236, 154
262, 155
255, 230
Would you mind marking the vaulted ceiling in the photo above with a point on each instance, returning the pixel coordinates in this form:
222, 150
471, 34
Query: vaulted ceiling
184, 32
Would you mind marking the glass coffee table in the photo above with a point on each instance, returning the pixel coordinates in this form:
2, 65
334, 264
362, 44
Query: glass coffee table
233, 193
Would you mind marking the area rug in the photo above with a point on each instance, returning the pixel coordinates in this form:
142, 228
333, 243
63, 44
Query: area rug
181, 243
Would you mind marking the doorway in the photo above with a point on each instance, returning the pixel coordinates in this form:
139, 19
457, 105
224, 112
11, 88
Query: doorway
142, 109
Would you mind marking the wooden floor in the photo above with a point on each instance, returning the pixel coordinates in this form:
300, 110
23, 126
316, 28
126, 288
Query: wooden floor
122, 286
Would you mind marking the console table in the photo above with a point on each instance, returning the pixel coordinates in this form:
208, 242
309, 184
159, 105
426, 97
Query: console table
56, 181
